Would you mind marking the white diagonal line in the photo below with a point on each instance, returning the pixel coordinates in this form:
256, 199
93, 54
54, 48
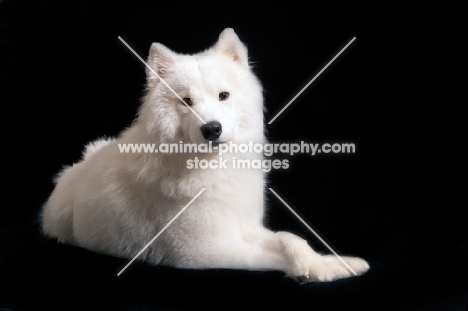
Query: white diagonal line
310, 82
315, 233
160, 232
162, 80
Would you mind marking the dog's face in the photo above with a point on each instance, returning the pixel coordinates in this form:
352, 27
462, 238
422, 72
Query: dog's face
223, 98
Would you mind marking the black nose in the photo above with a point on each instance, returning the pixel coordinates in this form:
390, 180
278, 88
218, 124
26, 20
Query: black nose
212, 130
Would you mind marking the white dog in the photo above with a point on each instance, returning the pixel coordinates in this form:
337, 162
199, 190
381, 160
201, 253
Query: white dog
114, 202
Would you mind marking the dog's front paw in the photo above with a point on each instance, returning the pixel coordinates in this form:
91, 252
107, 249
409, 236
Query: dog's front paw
298, 254
305, 265
331, 268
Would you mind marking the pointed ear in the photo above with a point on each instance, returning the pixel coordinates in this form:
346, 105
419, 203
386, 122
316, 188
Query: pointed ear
160, 59
229, 44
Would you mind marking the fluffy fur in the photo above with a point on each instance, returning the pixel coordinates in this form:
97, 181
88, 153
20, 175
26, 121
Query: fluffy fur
114, 203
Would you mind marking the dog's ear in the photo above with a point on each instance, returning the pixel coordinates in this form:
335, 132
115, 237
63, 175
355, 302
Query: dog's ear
160, 59
229, 44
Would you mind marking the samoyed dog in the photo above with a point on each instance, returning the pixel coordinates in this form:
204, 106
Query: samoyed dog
115, 202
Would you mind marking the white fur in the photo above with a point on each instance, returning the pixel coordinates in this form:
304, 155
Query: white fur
114, 203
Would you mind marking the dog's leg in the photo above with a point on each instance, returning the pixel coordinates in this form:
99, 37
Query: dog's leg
266, 250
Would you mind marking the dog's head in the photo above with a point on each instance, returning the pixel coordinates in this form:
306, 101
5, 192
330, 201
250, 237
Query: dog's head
210, 96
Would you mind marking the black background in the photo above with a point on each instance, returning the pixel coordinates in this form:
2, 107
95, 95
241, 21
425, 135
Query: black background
396, 93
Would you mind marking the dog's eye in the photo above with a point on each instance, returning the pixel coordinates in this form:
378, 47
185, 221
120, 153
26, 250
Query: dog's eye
188, 101
223, 96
